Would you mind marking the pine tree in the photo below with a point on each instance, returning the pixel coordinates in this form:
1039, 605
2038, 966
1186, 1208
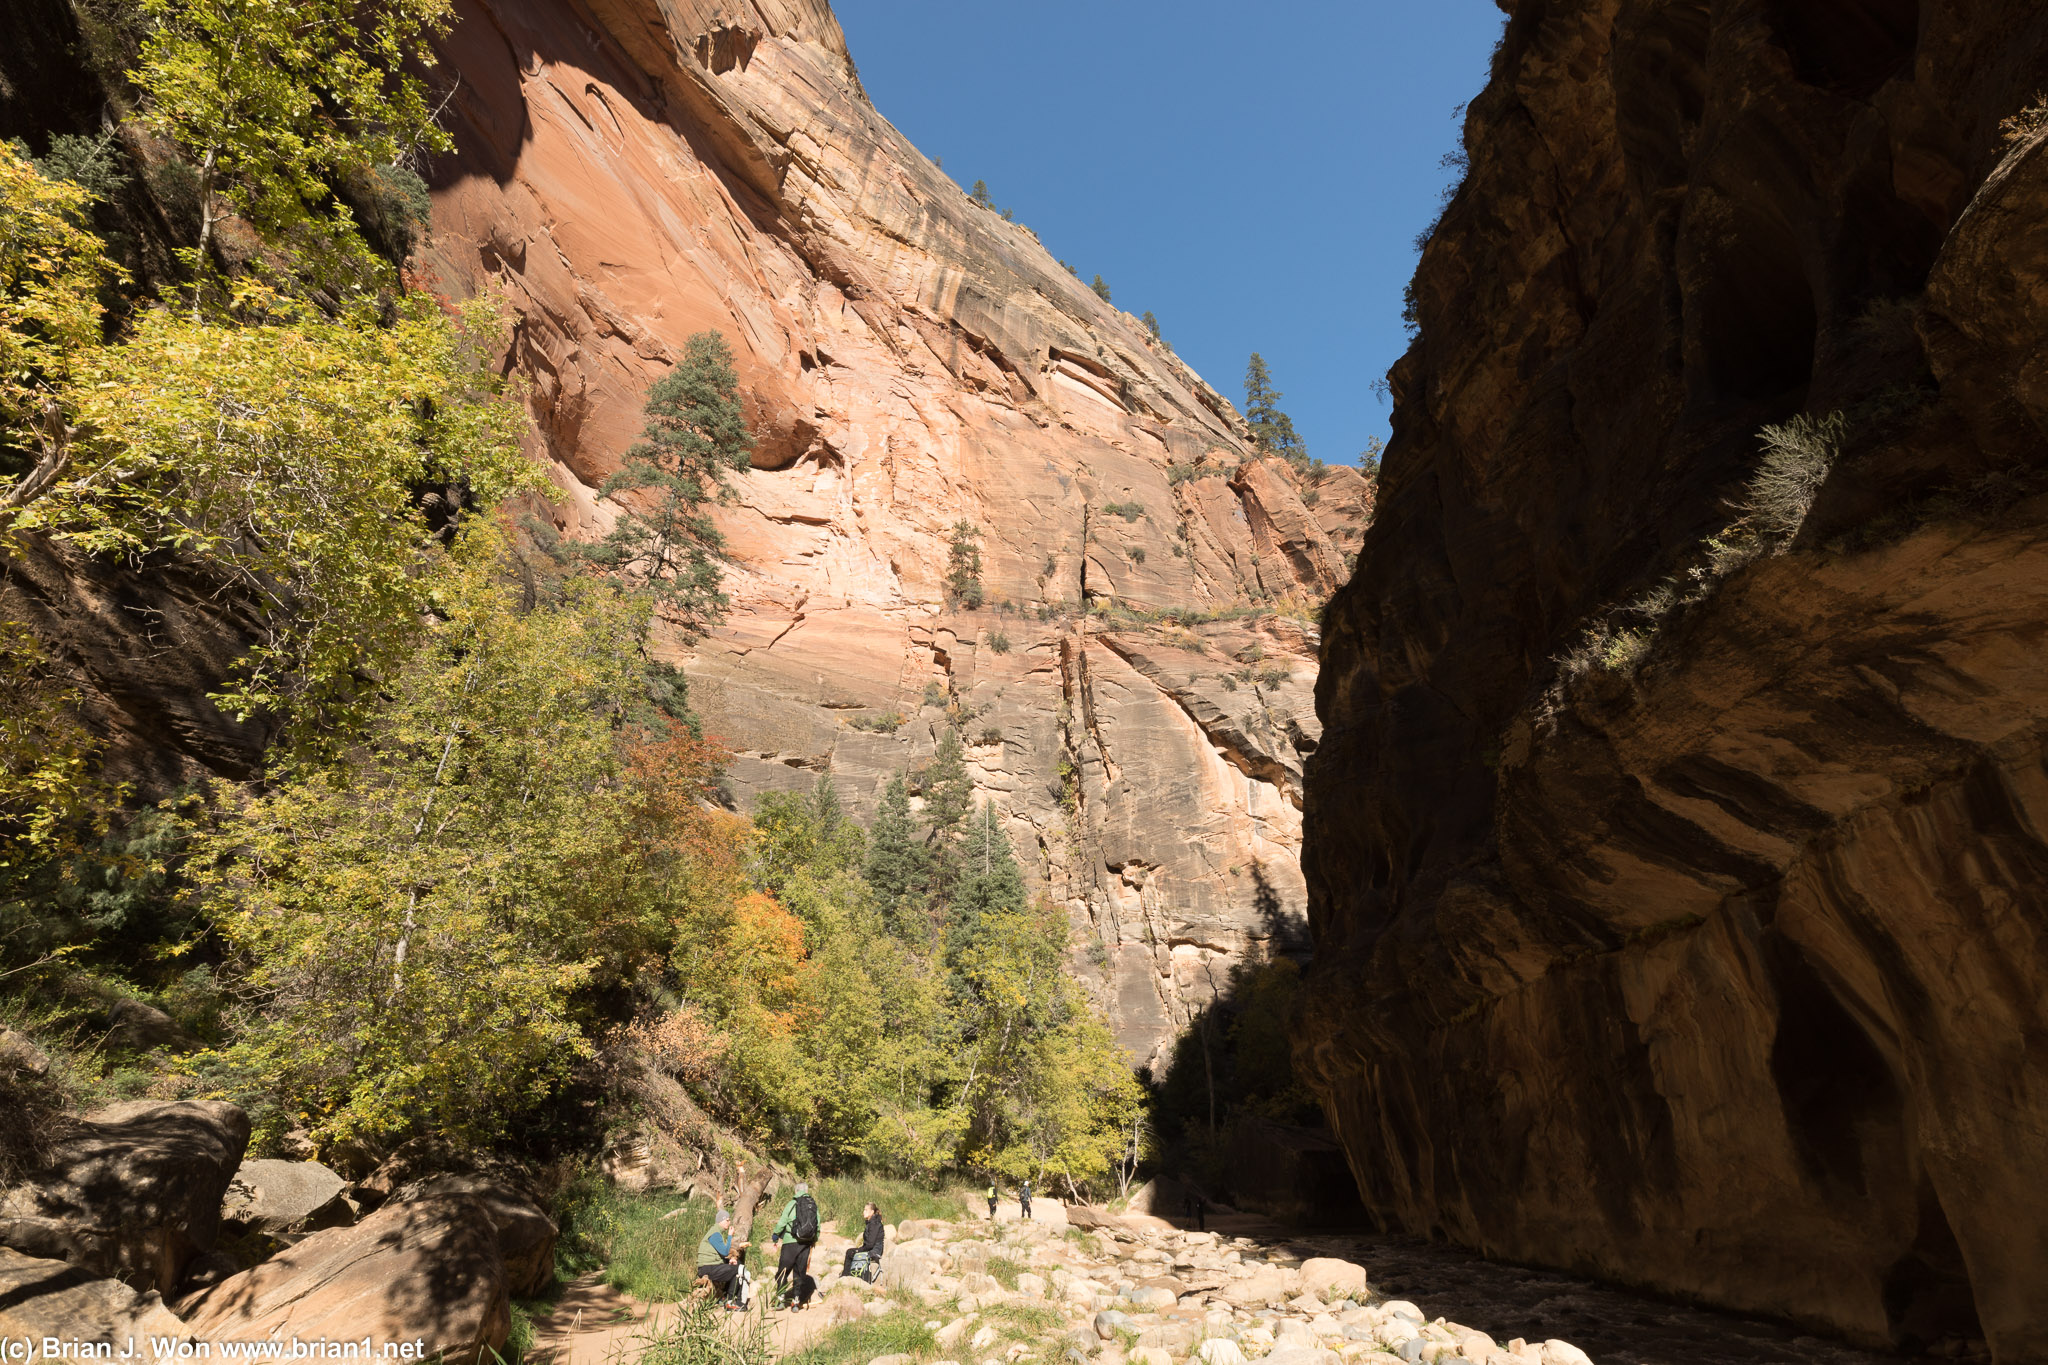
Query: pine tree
979, 194
1272, 430
948, 794
990, 882
1151, 324
696, 434
896, 864
1101, 288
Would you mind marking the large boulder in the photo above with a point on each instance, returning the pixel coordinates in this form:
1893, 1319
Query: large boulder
18, 1052
911, 1265
426, 1269
135, 1027
285, 1200
1266, 1285
526, 1235
132, 1192
43, 1298
1326, 1277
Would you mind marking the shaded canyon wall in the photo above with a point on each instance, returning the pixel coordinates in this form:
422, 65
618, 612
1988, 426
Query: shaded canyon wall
1681, 920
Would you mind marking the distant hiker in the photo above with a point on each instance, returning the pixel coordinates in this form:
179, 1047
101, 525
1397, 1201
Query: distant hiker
718, 1257
991, 1203
868, 1254
1024, 1199
1196, 1208
796, 1232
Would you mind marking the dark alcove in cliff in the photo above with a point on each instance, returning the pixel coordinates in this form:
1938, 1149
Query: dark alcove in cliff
1756, 322
1840, 1100
1848, 46
1927, 1294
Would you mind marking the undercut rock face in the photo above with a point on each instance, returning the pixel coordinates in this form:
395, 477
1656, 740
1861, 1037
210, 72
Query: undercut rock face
1675, 845
629, 174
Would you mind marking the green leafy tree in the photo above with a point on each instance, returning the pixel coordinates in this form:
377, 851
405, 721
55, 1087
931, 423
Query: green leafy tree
288, 457
1101, 288
1151, 324
1044, 1092
419, 920
276, 103
696, 436
963, 567
805, 833
51, 272
1272, 430
979, 194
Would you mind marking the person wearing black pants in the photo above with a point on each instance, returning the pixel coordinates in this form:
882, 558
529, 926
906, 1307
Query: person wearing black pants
796, 1232
1024, 1199
871, 1236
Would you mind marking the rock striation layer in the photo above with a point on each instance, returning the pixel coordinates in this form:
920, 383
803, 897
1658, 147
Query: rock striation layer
1677, 905
628, 174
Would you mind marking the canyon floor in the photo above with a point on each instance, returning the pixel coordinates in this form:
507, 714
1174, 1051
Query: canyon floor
1249, 1282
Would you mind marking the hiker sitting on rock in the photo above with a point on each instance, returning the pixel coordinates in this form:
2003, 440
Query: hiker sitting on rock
718, 1256
796, 1232
869, 1252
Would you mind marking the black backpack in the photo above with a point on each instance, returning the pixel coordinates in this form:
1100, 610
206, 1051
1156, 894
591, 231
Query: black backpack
805, 1224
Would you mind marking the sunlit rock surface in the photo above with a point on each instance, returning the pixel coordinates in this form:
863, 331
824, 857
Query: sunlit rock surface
634, 173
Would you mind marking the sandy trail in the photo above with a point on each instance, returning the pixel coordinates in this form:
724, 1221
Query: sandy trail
595, 1324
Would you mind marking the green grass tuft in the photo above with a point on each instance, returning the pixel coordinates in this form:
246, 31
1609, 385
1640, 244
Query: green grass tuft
856, 1343
702, 1333
840, 1199
641, 1251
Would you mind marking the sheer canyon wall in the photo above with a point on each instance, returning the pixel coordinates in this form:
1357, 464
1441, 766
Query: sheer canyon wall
1677, 883
629, 173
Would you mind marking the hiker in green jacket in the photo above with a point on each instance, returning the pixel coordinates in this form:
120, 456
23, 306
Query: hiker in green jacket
796, 1232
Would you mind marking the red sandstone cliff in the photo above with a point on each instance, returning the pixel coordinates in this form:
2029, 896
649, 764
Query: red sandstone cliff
1701, 943
628, 174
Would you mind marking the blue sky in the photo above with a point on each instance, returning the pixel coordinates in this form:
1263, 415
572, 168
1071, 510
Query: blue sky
1255, 175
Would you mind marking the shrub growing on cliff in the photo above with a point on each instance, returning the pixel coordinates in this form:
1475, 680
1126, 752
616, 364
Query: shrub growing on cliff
963, 567
1101, 288
696, 436
1797, 457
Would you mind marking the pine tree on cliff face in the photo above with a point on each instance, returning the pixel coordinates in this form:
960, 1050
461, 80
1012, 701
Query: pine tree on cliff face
1272, 430
696, 434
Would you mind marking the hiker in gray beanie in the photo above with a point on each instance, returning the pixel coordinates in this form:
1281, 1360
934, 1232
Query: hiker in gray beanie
796, 1232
